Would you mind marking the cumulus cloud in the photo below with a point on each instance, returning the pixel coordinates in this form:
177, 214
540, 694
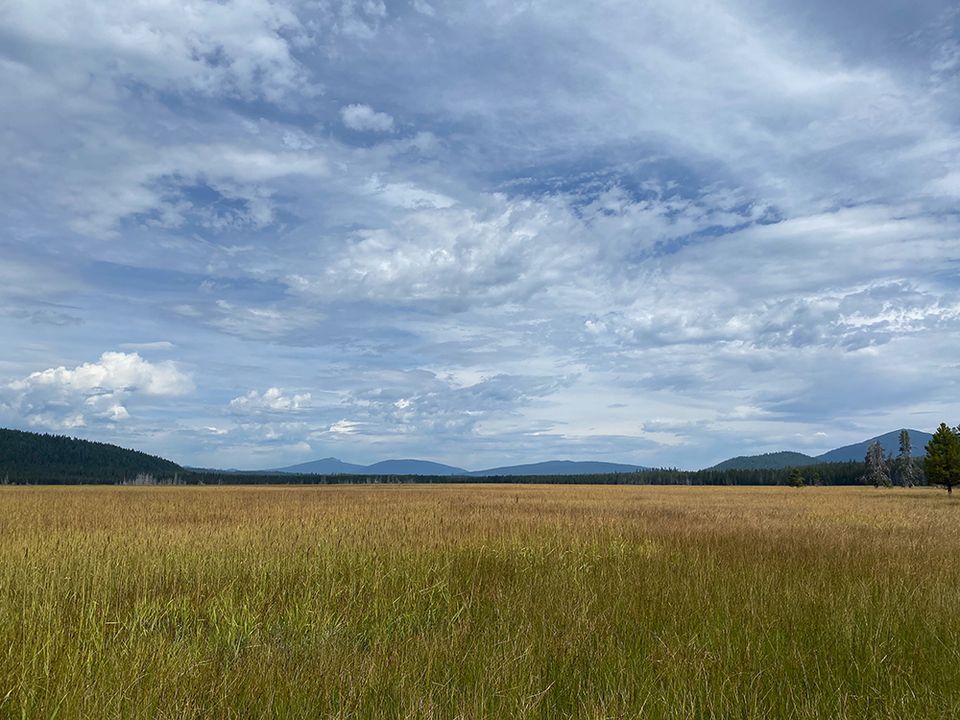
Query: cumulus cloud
64, 397
364, 118
271, 400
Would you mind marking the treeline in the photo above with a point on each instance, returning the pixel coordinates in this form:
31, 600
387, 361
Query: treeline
850, 473
32, 458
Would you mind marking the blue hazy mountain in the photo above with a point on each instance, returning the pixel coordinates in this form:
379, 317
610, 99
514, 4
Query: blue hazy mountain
412, 467
325, 466
558, 467
333, 466
890, 442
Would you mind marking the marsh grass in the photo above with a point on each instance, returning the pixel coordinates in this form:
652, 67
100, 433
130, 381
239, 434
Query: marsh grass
479, 602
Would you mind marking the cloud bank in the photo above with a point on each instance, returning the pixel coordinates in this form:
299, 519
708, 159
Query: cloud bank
650, 233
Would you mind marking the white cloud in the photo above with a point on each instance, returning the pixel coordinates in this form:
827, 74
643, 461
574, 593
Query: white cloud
272, 400
343, 427
115, 372
240, 48
424, 8
72, 397
407, 195
234, 172
461, 256
364, 118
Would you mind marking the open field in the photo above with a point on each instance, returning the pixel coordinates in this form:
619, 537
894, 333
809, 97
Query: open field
479, 602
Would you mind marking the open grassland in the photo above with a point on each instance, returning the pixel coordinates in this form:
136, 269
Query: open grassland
479, 602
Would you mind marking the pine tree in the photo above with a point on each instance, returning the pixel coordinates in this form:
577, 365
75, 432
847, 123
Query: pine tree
796, 478
906, 473
942, 464
876, 466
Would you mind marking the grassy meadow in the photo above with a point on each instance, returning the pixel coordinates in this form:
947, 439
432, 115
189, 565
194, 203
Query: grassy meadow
479, 602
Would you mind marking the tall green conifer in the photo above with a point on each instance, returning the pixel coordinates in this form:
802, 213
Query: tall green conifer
942, 464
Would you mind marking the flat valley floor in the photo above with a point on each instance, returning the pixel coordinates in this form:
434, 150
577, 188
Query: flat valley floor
479, 601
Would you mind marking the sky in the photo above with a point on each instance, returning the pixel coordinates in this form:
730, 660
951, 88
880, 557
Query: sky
251, 233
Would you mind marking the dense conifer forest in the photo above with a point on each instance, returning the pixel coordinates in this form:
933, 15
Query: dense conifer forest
27, 457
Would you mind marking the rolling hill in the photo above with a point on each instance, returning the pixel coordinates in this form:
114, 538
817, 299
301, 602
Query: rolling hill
324, 466
890, 442
766, 461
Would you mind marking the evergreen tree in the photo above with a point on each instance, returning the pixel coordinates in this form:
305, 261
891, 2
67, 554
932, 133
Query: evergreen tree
796, 478
906, 473
876, 466
942, 464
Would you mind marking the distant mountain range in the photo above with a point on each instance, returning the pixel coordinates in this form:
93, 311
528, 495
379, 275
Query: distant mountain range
32, 457
767, 461
333, 466
890, 442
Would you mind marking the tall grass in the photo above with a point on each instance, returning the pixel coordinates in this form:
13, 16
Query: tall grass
479, 602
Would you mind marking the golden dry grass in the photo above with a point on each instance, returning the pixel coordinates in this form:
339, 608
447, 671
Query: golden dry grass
479, 602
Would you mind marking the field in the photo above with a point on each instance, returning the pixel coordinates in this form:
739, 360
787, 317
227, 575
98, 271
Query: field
479, 602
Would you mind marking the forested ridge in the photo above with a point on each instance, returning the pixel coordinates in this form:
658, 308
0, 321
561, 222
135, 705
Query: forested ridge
27, 457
